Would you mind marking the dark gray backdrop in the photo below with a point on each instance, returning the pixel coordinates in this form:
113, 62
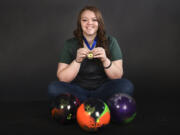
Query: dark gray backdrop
32, 33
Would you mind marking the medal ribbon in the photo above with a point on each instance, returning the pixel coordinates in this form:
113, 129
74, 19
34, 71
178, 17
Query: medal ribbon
87, 44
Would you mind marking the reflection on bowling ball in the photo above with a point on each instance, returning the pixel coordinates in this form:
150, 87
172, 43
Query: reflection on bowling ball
64, 108
93, 114
122, 107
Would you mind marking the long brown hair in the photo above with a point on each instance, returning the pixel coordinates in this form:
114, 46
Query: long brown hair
101, 34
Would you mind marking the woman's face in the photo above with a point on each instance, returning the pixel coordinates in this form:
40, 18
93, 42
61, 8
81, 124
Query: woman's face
89, 23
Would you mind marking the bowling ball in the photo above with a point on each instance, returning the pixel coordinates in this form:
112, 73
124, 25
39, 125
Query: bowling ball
93, 114
64, 108
122, 107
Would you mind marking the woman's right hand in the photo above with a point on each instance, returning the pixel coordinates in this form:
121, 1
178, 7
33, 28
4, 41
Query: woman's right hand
81, 54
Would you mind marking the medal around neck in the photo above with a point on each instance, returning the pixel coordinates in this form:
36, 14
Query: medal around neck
90, 55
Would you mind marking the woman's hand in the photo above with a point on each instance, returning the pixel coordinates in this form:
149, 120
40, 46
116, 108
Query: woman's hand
81, 54
100, 53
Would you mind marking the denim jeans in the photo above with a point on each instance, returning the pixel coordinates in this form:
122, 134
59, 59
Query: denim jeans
103, 92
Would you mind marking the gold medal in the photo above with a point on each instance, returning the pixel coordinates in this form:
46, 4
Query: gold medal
90, 55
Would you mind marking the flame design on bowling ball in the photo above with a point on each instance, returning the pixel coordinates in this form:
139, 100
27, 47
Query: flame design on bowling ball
93, 114
64, 108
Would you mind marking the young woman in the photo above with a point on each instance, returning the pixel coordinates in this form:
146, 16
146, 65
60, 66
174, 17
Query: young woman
90, 64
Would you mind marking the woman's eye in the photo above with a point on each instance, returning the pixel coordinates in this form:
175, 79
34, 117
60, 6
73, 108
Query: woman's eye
94, 19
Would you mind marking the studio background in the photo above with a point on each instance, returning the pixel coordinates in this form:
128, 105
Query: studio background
33, 32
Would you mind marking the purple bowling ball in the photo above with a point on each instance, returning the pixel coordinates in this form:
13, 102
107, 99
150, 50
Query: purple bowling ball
122, 108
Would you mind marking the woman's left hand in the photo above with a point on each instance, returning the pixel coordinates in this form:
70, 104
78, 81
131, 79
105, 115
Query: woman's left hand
99, 53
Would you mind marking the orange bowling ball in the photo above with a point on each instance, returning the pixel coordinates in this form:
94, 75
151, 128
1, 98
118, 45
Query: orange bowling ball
93, 114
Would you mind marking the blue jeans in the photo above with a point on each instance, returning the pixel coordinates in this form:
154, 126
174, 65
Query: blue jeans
103, 92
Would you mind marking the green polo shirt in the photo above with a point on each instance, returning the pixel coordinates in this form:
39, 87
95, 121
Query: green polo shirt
91, 74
